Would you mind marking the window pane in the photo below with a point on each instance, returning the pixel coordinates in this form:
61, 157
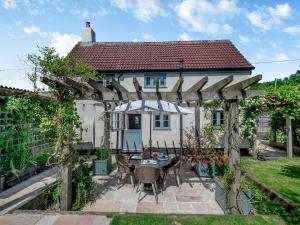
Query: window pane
162, 79
148, 81
166, 117
166, 123
157, 117
157, 123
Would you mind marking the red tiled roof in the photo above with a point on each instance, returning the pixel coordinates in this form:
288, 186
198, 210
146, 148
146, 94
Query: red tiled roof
142, 56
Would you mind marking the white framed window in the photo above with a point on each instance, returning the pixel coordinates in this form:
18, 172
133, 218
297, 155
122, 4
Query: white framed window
116, 121
161, 121
152, 78
217, 118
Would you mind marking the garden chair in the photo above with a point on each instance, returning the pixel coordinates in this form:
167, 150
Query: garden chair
175, 165
125, 168
148, 175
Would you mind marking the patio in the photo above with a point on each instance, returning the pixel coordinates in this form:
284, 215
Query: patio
196, 196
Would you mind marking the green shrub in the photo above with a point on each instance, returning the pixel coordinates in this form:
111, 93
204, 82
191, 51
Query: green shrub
103, 153
82, 185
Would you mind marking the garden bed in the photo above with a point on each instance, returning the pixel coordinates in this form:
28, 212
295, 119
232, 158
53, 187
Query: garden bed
282, 146
12, 180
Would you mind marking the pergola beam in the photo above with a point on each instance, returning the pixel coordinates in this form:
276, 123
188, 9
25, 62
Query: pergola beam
178, 85
123, 93
56, 84
199, 85
138, 88
218, 86
242, 85
106, 93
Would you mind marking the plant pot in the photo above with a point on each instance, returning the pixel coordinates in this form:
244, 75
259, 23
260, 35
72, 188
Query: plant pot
222, 198
2, 182
204, 169
101, 167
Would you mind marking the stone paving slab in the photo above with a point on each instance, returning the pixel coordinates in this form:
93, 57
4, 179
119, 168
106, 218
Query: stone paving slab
56, 219
195, 196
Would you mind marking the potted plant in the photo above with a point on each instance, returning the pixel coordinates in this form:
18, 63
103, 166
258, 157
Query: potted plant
102, 163
222, 188
199, 147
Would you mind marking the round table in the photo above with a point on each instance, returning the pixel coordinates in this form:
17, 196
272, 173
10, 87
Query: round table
138, 161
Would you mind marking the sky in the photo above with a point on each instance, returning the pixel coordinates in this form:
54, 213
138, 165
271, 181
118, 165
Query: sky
266, 32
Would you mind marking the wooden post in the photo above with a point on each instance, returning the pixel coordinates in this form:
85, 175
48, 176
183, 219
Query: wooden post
106, 142
225, 108
197, 119
289, 141
66, 187
234, 156
66, 174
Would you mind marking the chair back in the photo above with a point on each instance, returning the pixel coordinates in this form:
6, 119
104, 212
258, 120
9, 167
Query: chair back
176, 163
147, 174
122, 164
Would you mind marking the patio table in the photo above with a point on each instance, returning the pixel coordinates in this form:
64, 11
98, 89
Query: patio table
163, 160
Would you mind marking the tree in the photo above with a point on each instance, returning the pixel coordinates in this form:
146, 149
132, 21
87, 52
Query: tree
49, 66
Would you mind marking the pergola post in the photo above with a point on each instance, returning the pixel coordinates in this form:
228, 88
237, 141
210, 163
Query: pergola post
106, 142
289, 141
234, 155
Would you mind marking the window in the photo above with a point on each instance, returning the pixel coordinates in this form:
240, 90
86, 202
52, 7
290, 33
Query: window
106, 78
151, 79
161, 121
116, 121
218, 118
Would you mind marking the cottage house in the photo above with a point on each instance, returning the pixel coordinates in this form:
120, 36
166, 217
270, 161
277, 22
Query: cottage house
199, 64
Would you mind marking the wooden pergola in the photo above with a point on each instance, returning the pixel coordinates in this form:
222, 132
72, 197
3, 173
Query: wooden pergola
222, 90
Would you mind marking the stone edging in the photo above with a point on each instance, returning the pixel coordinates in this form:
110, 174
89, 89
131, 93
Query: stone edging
287, 204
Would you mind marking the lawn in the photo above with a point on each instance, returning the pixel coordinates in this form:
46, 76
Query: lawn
193, 220
281, 175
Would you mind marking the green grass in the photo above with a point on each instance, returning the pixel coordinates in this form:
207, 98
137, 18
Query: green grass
281, 175
193, 220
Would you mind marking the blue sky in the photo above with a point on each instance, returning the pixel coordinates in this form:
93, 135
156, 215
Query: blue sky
263, 31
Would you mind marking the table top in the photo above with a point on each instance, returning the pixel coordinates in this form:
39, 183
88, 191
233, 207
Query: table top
163, 160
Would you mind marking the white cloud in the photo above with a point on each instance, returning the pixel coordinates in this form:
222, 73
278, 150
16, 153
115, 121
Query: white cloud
31, 30
63, 43
206, 16
184, 37
267, 18
122, 4
244, 39
292, 30
85, 13
148, 37
9, 4
281, 57
144, 10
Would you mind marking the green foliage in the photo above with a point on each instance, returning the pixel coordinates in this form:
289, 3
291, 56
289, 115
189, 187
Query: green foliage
25, 115
103, 153
266, 206
82, 185
251, 107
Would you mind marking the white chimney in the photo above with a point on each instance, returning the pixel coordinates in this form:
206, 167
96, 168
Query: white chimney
88, 35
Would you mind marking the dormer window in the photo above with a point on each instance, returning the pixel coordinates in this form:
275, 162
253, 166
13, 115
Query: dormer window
152, 78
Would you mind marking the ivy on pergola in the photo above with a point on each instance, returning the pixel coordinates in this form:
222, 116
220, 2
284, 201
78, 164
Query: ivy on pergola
222, 90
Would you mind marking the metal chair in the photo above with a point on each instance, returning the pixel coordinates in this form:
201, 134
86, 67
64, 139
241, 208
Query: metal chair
148, 175
125, 168
175, 165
